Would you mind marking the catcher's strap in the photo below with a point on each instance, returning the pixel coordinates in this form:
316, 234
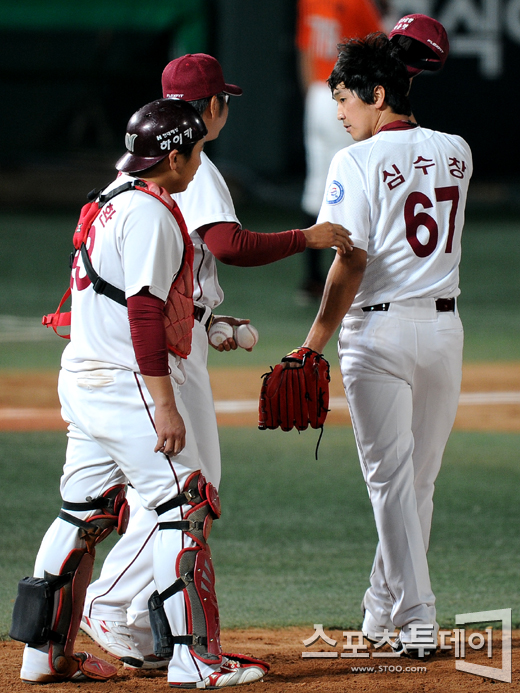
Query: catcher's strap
295, 393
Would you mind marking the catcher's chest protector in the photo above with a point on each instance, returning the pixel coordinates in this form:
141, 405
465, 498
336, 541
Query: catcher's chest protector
178, 309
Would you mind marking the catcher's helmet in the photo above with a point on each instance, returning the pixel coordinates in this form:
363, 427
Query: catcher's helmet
423, 43
157, 129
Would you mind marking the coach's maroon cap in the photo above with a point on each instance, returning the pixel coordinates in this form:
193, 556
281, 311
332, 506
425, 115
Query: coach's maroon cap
423, 42
195, 76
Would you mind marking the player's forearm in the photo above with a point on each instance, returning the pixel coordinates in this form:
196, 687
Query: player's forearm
146, 318
341, 288
234, 245
161, 390
169, 426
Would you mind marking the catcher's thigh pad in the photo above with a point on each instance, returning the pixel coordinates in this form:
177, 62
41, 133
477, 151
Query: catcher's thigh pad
195, 577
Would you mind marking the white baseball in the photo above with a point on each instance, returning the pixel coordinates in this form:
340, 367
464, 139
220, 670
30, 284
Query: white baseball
246, 336
219, 332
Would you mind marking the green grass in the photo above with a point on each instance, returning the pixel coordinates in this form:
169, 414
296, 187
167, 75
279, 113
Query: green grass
34, 275
296, 539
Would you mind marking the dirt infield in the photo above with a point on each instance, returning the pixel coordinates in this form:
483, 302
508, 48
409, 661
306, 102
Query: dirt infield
282, 649
28, 400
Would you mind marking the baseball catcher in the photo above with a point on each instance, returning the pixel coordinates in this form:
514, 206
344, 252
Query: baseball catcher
295, 393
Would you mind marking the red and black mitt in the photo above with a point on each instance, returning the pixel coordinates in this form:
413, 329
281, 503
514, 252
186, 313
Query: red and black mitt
295, 393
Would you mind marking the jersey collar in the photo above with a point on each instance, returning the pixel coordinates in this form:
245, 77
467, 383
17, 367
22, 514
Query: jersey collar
398, 125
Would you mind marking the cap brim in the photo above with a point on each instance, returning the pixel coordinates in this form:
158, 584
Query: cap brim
424, 65
129, 163
232, 89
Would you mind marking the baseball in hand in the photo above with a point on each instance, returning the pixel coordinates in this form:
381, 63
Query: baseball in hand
219, 332
246, 336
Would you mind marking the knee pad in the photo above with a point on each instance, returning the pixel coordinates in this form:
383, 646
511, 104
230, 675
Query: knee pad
113, 512
195, 577
49, 610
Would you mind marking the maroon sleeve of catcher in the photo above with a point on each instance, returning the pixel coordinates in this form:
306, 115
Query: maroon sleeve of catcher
146, 317
234, 245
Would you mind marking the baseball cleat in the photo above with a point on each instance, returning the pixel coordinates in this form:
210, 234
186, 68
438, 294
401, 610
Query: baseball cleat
414, 650
113, 637
373, 631
150, 662
233, 672
89, 668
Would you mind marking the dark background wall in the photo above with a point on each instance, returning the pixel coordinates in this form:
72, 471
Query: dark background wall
71, 75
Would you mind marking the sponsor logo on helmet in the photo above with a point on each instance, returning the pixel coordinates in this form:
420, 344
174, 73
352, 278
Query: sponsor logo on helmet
130, 142
169, 139
335, 193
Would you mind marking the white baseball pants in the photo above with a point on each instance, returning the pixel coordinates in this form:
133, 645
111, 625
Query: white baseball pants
121, 593
111, 440
401, 371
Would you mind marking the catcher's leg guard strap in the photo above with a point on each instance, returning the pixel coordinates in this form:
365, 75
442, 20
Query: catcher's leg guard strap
196, 490
114, 512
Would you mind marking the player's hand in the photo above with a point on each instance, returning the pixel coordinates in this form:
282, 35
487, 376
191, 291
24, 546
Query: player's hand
328, 235
171, 432
229, 344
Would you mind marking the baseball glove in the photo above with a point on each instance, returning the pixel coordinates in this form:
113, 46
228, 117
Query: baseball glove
295, 393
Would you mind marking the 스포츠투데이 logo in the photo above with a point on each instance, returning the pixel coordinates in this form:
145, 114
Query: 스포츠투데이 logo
335, 193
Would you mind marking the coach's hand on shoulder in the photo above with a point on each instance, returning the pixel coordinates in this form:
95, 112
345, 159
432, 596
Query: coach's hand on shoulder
328, 235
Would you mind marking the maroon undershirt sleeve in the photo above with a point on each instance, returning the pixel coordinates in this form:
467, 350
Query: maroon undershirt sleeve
146, 317
233, 245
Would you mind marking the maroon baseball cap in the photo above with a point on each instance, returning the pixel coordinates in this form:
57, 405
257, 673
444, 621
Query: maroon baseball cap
423, 42
195, 76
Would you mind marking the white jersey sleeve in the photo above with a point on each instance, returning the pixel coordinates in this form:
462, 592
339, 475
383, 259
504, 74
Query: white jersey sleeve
153, 260
402, 195
206, 201
134, 242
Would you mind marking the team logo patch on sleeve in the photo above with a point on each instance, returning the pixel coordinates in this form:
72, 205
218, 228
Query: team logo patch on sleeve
335, 193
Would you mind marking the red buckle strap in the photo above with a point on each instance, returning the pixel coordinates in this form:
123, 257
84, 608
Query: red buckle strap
58, 319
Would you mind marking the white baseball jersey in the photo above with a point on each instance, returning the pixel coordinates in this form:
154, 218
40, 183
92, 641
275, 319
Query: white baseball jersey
134, 242
383, 190
206, 201
402, 195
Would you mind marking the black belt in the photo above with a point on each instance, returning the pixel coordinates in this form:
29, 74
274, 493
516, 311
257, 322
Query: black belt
198, 314
443, 305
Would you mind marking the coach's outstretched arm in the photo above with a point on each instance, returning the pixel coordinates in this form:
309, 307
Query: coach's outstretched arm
341, 287
233, 245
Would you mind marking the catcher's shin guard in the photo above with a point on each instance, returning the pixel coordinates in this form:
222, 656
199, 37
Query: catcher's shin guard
195, 576
49, 609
